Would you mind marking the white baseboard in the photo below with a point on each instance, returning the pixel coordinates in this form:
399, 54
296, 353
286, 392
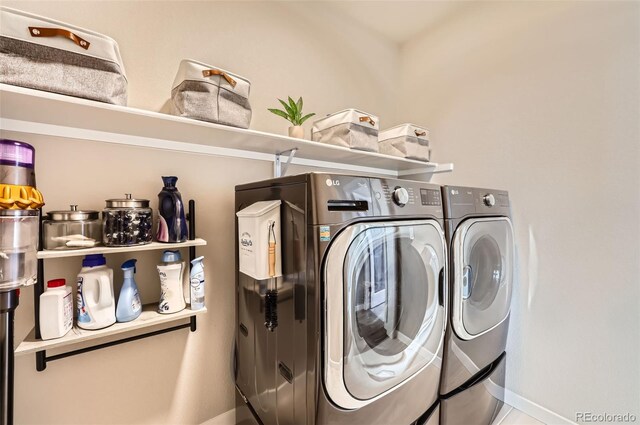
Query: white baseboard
534, 410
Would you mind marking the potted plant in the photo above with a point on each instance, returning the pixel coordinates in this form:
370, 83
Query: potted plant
293, 113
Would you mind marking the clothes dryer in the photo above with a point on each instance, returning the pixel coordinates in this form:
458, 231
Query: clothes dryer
481, 252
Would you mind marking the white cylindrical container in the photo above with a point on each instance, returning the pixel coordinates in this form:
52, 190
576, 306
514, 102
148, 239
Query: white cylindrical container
197, 284
56, 310
171, 296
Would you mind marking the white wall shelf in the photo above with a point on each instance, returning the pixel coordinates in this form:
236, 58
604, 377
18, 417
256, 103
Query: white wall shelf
30, 111
48, 254
148, 317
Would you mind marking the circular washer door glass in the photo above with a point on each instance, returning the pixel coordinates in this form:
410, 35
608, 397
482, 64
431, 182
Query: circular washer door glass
483, 267
393, 318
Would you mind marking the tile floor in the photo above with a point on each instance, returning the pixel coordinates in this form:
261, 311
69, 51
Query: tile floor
512, 416
507, 416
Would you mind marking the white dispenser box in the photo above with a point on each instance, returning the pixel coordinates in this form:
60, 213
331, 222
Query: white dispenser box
258, 225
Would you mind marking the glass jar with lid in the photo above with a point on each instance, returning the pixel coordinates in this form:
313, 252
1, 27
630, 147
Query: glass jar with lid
127, 221
72, 229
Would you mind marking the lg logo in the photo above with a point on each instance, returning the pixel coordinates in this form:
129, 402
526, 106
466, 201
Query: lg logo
332, 182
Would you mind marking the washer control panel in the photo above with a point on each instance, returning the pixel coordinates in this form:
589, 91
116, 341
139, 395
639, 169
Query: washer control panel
406, 197
463, 201
400, 196
397, 194
489, 200
432, 197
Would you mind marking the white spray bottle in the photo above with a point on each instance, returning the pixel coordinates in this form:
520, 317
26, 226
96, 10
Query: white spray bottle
197, 284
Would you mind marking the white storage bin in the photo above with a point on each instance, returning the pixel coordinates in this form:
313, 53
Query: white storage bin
349, 128
208, 93
259, 224
49, 55
406, 141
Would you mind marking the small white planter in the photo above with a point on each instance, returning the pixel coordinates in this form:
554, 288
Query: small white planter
296, 131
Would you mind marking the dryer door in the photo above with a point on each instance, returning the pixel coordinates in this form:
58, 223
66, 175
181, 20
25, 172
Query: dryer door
483, 255
385, 316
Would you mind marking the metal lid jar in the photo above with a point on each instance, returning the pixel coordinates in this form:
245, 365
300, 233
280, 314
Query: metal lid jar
72, 229
127, 221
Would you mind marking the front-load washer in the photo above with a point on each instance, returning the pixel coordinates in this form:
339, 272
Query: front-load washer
481, 247
360, 313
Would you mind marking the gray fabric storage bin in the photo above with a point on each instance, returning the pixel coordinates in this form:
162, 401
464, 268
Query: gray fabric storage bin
349, 128
44, 54
406, 141
207, 93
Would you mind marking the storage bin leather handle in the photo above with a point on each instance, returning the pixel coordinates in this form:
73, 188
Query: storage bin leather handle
210, 72
368, 119
59, 32
420, 133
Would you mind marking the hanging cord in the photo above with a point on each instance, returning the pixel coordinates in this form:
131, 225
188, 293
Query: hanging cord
271, 297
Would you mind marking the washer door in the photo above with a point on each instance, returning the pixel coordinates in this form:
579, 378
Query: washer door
384, 317
483, 254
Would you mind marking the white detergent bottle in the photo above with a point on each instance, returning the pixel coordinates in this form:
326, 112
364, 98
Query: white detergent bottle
96, 304
171, 272
129, 304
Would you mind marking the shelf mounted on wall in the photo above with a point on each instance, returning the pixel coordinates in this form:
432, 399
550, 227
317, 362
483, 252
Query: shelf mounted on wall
33, 112
149, 317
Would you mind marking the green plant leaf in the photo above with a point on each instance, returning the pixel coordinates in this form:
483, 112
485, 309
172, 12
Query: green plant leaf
297, 111
294, 108
292, 104
287, 108
280, 113
306, 117
299, 105
299, 108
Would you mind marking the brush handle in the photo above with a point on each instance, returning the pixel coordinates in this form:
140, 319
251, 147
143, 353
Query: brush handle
272, 259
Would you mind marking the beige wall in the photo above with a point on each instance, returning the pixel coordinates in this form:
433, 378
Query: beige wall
541, 99
284, 49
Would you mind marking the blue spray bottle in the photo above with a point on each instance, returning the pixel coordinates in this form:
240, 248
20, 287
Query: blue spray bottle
129, 305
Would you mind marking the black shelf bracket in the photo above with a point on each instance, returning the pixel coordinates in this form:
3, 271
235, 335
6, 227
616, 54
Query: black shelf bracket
41, 356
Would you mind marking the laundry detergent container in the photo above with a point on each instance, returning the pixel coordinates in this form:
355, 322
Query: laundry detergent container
208, 93
350, 128
406, 141
258, 232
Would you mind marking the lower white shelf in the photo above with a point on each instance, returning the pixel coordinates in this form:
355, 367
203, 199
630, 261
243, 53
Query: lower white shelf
149, 317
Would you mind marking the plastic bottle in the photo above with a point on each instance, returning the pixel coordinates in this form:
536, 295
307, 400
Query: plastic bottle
171, 272
197, 284
172, 225
56, 310
95, 301
129, 305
